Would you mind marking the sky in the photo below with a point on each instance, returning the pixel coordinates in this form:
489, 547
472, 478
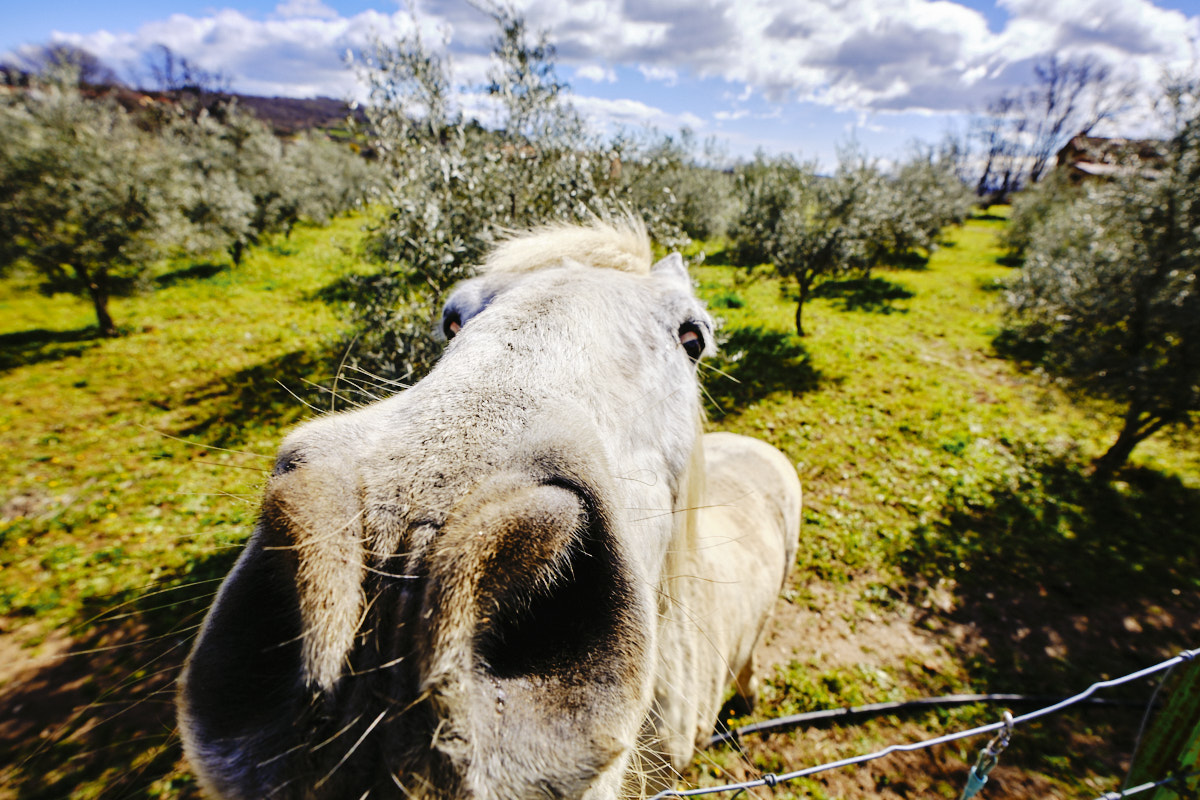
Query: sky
798, 76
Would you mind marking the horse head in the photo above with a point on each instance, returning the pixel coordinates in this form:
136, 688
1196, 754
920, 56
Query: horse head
476, 588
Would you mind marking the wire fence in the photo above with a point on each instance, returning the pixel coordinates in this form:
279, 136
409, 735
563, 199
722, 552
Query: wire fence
772, 780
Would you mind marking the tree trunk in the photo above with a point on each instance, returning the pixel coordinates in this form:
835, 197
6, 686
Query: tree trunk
97, 285
236, 251
1137, 428
800, 308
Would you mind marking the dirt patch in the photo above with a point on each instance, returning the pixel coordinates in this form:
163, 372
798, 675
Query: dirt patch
20, 664
23, 506
829, 628
946, 640
96, 710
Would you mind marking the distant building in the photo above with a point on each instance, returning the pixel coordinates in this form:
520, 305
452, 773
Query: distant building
1095, 158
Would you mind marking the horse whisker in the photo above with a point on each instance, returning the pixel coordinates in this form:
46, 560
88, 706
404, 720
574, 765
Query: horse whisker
350, 752
205, 446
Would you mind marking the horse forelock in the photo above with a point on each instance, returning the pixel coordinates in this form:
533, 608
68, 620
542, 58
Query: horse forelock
620, 244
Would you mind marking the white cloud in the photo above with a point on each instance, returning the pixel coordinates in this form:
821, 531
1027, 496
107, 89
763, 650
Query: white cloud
883, 55
609, 114
923, 56
596, 73
287, 55
305, 8
659, 74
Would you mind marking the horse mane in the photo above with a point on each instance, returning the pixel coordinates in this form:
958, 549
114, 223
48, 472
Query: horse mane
621, 244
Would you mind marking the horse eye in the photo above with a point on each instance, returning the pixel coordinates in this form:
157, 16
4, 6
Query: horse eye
692, 341
451, 324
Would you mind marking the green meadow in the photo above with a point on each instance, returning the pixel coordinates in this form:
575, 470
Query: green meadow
953, 538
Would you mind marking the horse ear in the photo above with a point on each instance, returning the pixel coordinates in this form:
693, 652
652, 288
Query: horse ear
468, 299
673, 268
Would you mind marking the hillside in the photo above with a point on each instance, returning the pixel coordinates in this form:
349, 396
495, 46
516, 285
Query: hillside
952, 539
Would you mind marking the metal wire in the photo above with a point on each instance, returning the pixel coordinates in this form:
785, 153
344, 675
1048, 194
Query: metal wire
1145, 787
773, 780
847, 714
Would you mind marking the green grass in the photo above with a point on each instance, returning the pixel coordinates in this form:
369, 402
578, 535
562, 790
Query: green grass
129, 476
946, 494
948, 488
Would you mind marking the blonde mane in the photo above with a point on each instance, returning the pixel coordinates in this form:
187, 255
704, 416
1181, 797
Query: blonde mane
620, 244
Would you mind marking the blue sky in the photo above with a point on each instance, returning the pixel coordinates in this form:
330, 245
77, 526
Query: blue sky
783, 75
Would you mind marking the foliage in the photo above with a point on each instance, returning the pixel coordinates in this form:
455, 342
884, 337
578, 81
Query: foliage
1109, 293
793, 220
892, 216
452, 186
243, 182
935, 194
678, 183
812, 228
85, 195
1032, 207
91, 194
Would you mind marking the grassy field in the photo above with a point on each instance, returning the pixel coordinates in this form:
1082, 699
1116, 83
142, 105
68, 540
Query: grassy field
953, 540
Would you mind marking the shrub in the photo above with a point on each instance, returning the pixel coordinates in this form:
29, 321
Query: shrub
86, 197
1110, 293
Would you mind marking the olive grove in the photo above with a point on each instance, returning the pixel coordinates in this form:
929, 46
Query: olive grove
92, 193
1108, 299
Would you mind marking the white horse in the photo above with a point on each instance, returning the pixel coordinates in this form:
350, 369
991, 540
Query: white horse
528, 576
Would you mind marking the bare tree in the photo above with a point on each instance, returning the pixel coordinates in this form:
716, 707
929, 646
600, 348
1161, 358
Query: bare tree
1023, 129
57, 57
171, 72
1000, 132
1069, 98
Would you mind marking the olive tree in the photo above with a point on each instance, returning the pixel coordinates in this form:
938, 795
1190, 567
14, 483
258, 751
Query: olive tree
1110, 292
452, 185
794, 220
325, 178
890, 215
85, 195
217, 208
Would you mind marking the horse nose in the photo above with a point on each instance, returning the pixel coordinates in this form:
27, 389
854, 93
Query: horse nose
312, 510
510, 578
528, 625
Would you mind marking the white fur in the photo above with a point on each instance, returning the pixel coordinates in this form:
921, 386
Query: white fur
567, 371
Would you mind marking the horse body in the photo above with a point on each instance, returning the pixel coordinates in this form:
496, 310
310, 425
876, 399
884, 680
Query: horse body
511, 580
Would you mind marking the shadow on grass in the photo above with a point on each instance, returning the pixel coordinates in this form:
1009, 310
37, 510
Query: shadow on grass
100, 719
876, 295
1065, 578
359, 288
913, 262
195, 272
1018, 346
721, 258
753, 363
274, 394
37, 345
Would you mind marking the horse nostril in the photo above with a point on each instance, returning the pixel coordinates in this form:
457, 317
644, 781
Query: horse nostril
559, 623
286, 462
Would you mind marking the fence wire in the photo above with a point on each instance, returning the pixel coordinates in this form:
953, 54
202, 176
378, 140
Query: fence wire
772, 780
